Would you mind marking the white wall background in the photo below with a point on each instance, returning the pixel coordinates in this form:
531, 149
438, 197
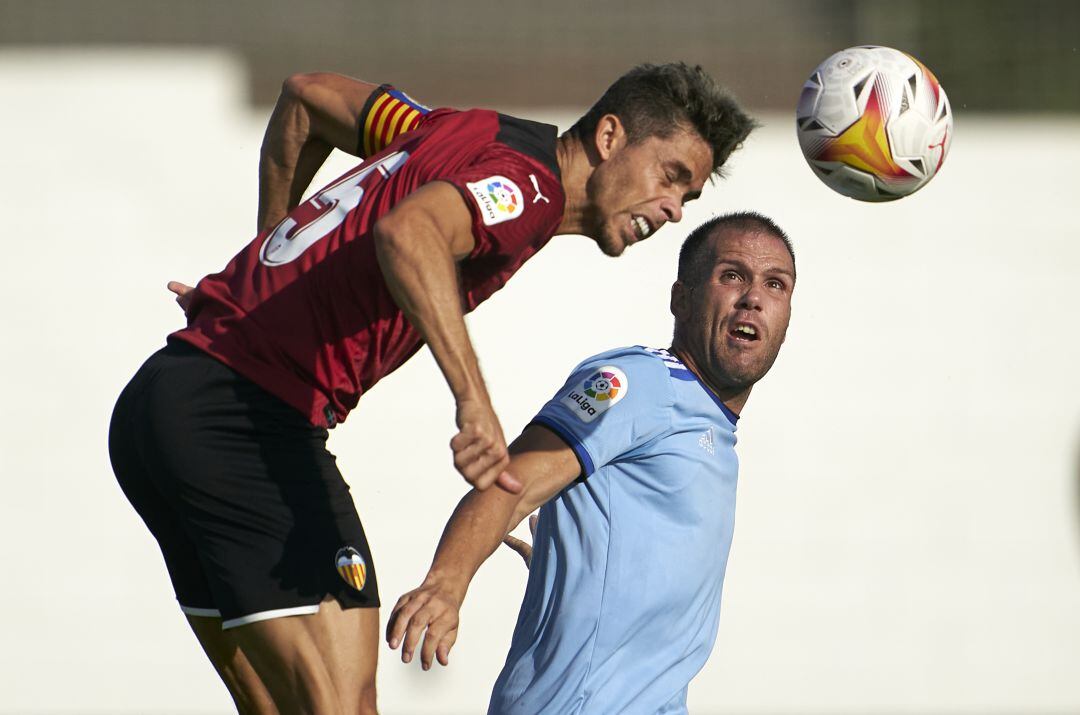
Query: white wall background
907, 536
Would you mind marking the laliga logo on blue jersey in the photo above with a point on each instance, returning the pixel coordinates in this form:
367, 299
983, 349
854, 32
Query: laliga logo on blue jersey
598, 393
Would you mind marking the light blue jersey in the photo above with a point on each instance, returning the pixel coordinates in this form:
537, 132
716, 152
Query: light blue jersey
623, 599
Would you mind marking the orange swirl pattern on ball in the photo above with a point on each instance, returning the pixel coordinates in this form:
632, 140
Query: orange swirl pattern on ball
864, 144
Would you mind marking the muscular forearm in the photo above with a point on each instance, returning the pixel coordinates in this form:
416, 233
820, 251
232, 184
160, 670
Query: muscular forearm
474, 531
288, 162
479, 523
481, 520
418, 245
419, 266
314, 114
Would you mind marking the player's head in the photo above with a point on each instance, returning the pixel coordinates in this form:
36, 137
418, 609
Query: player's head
654, 138
659, 100
732, 299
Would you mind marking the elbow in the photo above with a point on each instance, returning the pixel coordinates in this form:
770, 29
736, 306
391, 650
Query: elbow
290, 122
397, 246
386, 234
297, 87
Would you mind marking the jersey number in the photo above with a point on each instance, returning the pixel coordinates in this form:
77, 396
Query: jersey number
312, 220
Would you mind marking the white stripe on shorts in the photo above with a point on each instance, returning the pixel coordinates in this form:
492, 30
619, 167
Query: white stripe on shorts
204, 612
267, 615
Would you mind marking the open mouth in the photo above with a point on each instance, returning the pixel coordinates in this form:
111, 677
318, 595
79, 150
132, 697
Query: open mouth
744, 332
641, 227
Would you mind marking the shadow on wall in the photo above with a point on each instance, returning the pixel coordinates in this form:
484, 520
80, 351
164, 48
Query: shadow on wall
1076, 492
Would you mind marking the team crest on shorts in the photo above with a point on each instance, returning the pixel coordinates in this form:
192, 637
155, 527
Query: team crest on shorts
498, 198
351, 566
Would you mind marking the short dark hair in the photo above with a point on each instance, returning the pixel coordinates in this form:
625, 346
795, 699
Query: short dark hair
656, 100
694, 266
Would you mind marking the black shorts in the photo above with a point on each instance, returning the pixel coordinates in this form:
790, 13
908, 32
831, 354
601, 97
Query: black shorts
248, 506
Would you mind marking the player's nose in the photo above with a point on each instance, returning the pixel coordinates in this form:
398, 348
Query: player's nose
751, 298
672, 210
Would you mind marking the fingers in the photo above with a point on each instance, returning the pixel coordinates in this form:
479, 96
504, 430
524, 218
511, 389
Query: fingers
183, 293
482, 462
399, 620
517, 545
522, 548
474, 453
419, 616
440, 638
179, 288
413, 631
480, 452
508, 482
443, 651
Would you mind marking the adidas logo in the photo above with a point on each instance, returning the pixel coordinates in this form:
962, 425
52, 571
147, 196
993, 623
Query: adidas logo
706, 441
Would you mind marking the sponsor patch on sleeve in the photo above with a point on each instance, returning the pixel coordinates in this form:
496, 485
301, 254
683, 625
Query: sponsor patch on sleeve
499, 199
597, 394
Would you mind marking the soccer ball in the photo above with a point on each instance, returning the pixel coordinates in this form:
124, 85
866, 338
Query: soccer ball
873, 123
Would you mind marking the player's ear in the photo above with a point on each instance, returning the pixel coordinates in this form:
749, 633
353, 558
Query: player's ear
610, 136
680, 299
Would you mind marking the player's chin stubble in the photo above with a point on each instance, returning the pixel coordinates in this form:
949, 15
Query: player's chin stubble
610, 242
738, 371
600, 231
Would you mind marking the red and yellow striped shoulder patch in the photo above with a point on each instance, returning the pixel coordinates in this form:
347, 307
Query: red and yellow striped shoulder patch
388, 114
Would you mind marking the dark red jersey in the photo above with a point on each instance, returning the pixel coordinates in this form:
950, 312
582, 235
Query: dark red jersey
304, 311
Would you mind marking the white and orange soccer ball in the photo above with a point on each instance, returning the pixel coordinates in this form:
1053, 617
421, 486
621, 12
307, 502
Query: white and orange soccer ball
874, 123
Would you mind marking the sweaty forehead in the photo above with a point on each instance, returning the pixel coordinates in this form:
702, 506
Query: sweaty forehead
757, 248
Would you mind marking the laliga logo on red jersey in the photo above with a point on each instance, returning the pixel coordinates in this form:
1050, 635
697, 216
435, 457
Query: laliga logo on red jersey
498, 198
504, 197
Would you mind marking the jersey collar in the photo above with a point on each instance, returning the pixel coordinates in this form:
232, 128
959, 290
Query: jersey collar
731, 416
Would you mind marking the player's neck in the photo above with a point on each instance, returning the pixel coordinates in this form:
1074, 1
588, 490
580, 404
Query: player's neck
733, 397
575, 168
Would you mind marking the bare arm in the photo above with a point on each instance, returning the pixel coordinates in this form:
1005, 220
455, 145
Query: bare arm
418, 245
315, 113
545, 465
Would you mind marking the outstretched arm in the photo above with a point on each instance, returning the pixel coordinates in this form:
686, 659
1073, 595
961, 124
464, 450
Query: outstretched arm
545, 465
418, 245
315, 113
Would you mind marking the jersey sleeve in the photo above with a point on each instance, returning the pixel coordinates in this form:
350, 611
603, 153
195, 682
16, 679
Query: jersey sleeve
609, 407
513, 202
387, 114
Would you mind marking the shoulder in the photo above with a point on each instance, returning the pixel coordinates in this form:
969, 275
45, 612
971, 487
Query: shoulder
502, 132
619, 396
634, 370
637, 357
532, 139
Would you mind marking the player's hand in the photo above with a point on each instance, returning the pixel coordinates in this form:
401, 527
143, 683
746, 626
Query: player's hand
183, 294
429, 611
480, 453
523, 548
